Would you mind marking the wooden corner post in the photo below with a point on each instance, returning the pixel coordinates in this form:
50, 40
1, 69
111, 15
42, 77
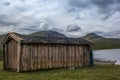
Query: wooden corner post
18, 56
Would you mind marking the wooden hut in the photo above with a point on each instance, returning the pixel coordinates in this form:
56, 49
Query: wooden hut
27, 53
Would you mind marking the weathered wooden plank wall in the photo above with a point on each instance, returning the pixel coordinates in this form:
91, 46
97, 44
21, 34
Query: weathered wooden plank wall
10, 55
44, 56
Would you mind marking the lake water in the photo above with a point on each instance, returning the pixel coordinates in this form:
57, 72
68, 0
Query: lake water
108, 54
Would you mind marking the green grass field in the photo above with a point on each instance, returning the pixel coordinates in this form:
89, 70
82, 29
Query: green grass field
98, 72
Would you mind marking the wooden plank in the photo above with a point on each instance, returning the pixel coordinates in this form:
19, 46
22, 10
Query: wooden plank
70, 65
85, 56
4, 58
51, 51
69, 52
59, 58
45, 64
58, 55
42, 63
76, 56
67, 56
33, 56
53, 60
39, 57
72, 58
15, 53
55, 55
62, 57
35, 50
44, 57
78, 60
11, 55
79, 53
49, 56
31, 62
73, 55
23, 60
63, 47
8, 57
82, 56
27, 57
88, 53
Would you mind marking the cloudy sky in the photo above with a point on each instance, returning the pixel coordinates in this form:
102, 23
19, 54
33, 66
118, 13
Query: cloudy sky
71, 17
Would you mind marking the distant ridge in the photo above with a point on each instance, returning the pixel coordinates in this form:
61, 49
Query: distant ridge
101, 42
48, 34
93, 36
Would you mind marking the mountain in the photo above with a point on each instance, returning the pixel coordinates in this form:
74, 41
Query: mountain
48, 34
41, 33
100, 42
93, 36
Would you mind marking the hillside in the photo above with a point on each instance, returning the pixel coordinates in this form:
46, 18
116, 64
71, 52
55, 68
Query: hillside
2, 37
48, 34
41, 33
101, 42
93, 36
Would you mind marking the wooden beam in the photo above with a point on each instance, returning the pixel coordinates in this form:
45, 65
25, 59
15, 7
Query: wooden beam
18, 56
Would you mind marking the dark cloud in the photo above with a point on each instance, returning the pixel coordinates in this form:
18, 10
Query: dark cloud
113, 34
108, 15
57, 29
21, 9
7, 3
77, 5
23, 0
106, 7
73, 28
4, 22
102, 3
30, 29
3, 16
72, 10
